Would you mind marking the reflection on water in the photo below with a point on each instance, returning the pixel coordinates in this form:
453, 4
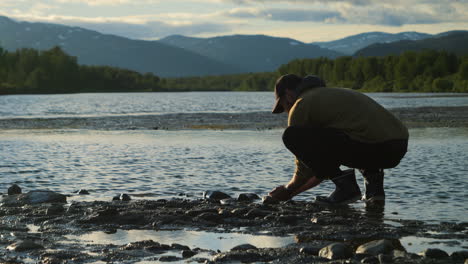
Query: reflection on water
193, 239
429, 184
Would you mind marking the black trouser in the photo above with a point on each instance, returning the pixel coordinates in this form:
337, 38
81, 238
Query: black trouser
323, 150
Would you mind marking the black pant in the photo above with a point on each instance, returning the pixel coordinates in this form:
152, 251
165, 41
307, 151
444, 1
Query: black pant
323, 150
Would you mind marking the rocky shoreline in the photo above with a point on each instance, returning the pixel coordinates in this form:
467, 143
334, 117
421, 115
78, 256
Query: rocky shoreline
36, 227
412, 117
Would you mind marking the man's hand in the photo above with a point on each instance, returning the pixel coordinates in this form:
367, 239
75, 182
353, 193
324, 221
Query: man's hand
280, 193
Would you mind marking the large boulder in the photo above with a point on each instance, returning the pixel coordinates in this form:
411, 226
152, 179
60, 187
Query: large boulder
33, 197
383, 246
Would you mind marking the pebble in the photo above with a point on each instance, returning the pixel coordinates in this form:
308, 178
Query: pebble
14, 189
215, 195
248, 197
434, 253
376, 247
24, 246
336, 251
82, 191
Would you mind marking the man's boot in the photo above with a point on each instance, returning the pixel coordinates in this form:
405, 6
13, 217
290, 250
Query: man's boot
373, 180
346, 190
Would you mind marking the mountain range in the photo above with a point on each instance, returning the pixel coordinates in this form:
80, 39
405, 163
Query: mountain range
181, 56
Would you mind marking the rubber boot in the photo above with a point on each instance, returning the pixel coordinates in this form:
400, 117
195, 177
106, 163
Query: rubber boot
346, 190
373, 180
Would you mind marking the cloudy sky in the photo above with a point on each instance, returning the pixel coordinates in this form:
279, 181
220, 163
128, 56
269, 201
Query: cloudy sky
304, 20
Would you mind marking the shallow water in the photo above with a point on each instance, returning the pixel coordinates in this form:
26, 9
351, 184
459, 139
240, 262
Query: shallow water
108, 104
429, 184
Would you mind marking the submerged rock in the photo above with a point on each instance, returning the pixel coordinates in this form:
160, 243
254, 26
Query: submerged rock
33, 197
24, 246
336, 251
125, 197
215, 195
82, 192
434, 253
188, 253
383, 246
14, 189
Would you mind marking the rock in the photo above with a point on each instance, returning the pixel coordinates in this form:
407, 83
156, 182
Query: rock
399, 254
82, 191
434, 253
210, 217
55, 209
248, 197
460, 255
24, 246
385, 258
288, 219
309, 251
116, 198
370, 260
125, 197
169, 258
377, 247
228, 201
256, 213
318, 220
188, 253
243, 247
269, 200
215, 195
179, 246
336, 251
14, 189
33, 197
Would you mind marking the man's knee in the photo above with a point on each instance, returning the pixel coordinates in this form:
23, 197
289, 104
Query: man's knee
292, 136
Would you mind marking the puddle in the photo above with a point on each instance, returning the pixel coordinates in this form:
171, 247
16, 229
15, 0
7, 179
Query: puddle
416, 245
193, 239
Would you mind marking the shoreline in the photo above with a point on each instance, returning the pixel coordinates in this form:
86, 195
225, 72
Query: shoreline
412, 117
58, 232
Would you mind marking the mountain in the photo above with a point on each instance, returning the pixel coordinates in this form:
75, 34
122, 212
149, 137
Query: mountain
255, 53
456, 42
351, 44
93, 48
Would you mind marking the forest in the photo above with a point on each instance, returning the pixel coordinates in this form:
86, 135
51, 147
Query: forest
29, 71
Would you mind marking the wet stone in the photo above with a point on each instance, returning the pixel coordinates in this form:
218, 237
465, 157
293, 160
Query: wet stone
248, 197
243, 247
370, 260
383, 246
269, 200
460, 255
434, 253
55, 209
179, 246
82, 192
215, 195
228, 201
169, 259
188, 253
256, 213
314, 251
24, 246
385, 258
125, 197
210, 217
14, 189
336, 251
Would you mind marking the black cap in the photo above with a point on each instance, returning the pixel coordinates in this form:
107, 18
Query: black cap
288, 81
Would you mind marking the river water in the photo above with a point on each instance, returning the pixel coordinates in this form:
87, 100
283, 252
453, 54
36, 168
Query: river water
429, 184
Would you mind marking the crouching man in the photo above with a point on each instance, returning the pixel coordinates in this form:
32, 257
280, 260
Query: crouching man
330, 127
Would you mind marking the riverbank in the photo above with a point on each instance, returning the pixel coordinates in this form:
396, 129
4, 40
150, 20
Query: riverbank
412, 117
101, 232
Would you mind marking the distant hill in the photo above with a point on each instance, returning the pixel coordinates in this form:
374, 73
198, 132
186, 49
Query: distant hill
255, 53
351, 44
93, 48
456, 42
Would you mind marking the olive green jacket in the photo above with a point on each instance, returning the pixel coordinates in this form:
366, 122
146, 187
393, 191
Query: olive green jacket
352, 112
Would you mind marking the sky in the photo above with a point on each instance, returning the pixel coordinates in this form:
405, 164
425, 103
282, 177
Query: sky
303, 20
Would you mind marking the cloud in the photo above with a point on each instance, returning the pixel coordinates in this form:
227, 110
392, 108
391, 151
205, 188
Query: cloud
107, 2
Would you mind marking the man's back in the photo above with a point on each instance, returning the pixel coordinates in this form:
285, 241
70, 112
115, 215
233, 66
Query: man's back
354, 113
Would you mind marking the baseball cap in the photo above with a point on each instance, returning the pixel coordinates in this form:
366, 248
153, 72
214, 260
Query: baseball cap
288, 81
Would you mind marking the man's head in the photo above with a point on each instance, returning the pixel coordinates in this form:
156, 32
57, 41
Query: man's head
285, 92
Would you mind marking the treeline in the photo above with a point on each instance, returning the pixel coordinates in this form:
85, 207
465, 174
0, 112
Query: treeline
53, 71
426, 71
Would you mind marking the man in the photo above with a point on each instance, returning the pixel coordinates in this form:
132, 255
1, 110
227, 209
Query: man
330, 127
